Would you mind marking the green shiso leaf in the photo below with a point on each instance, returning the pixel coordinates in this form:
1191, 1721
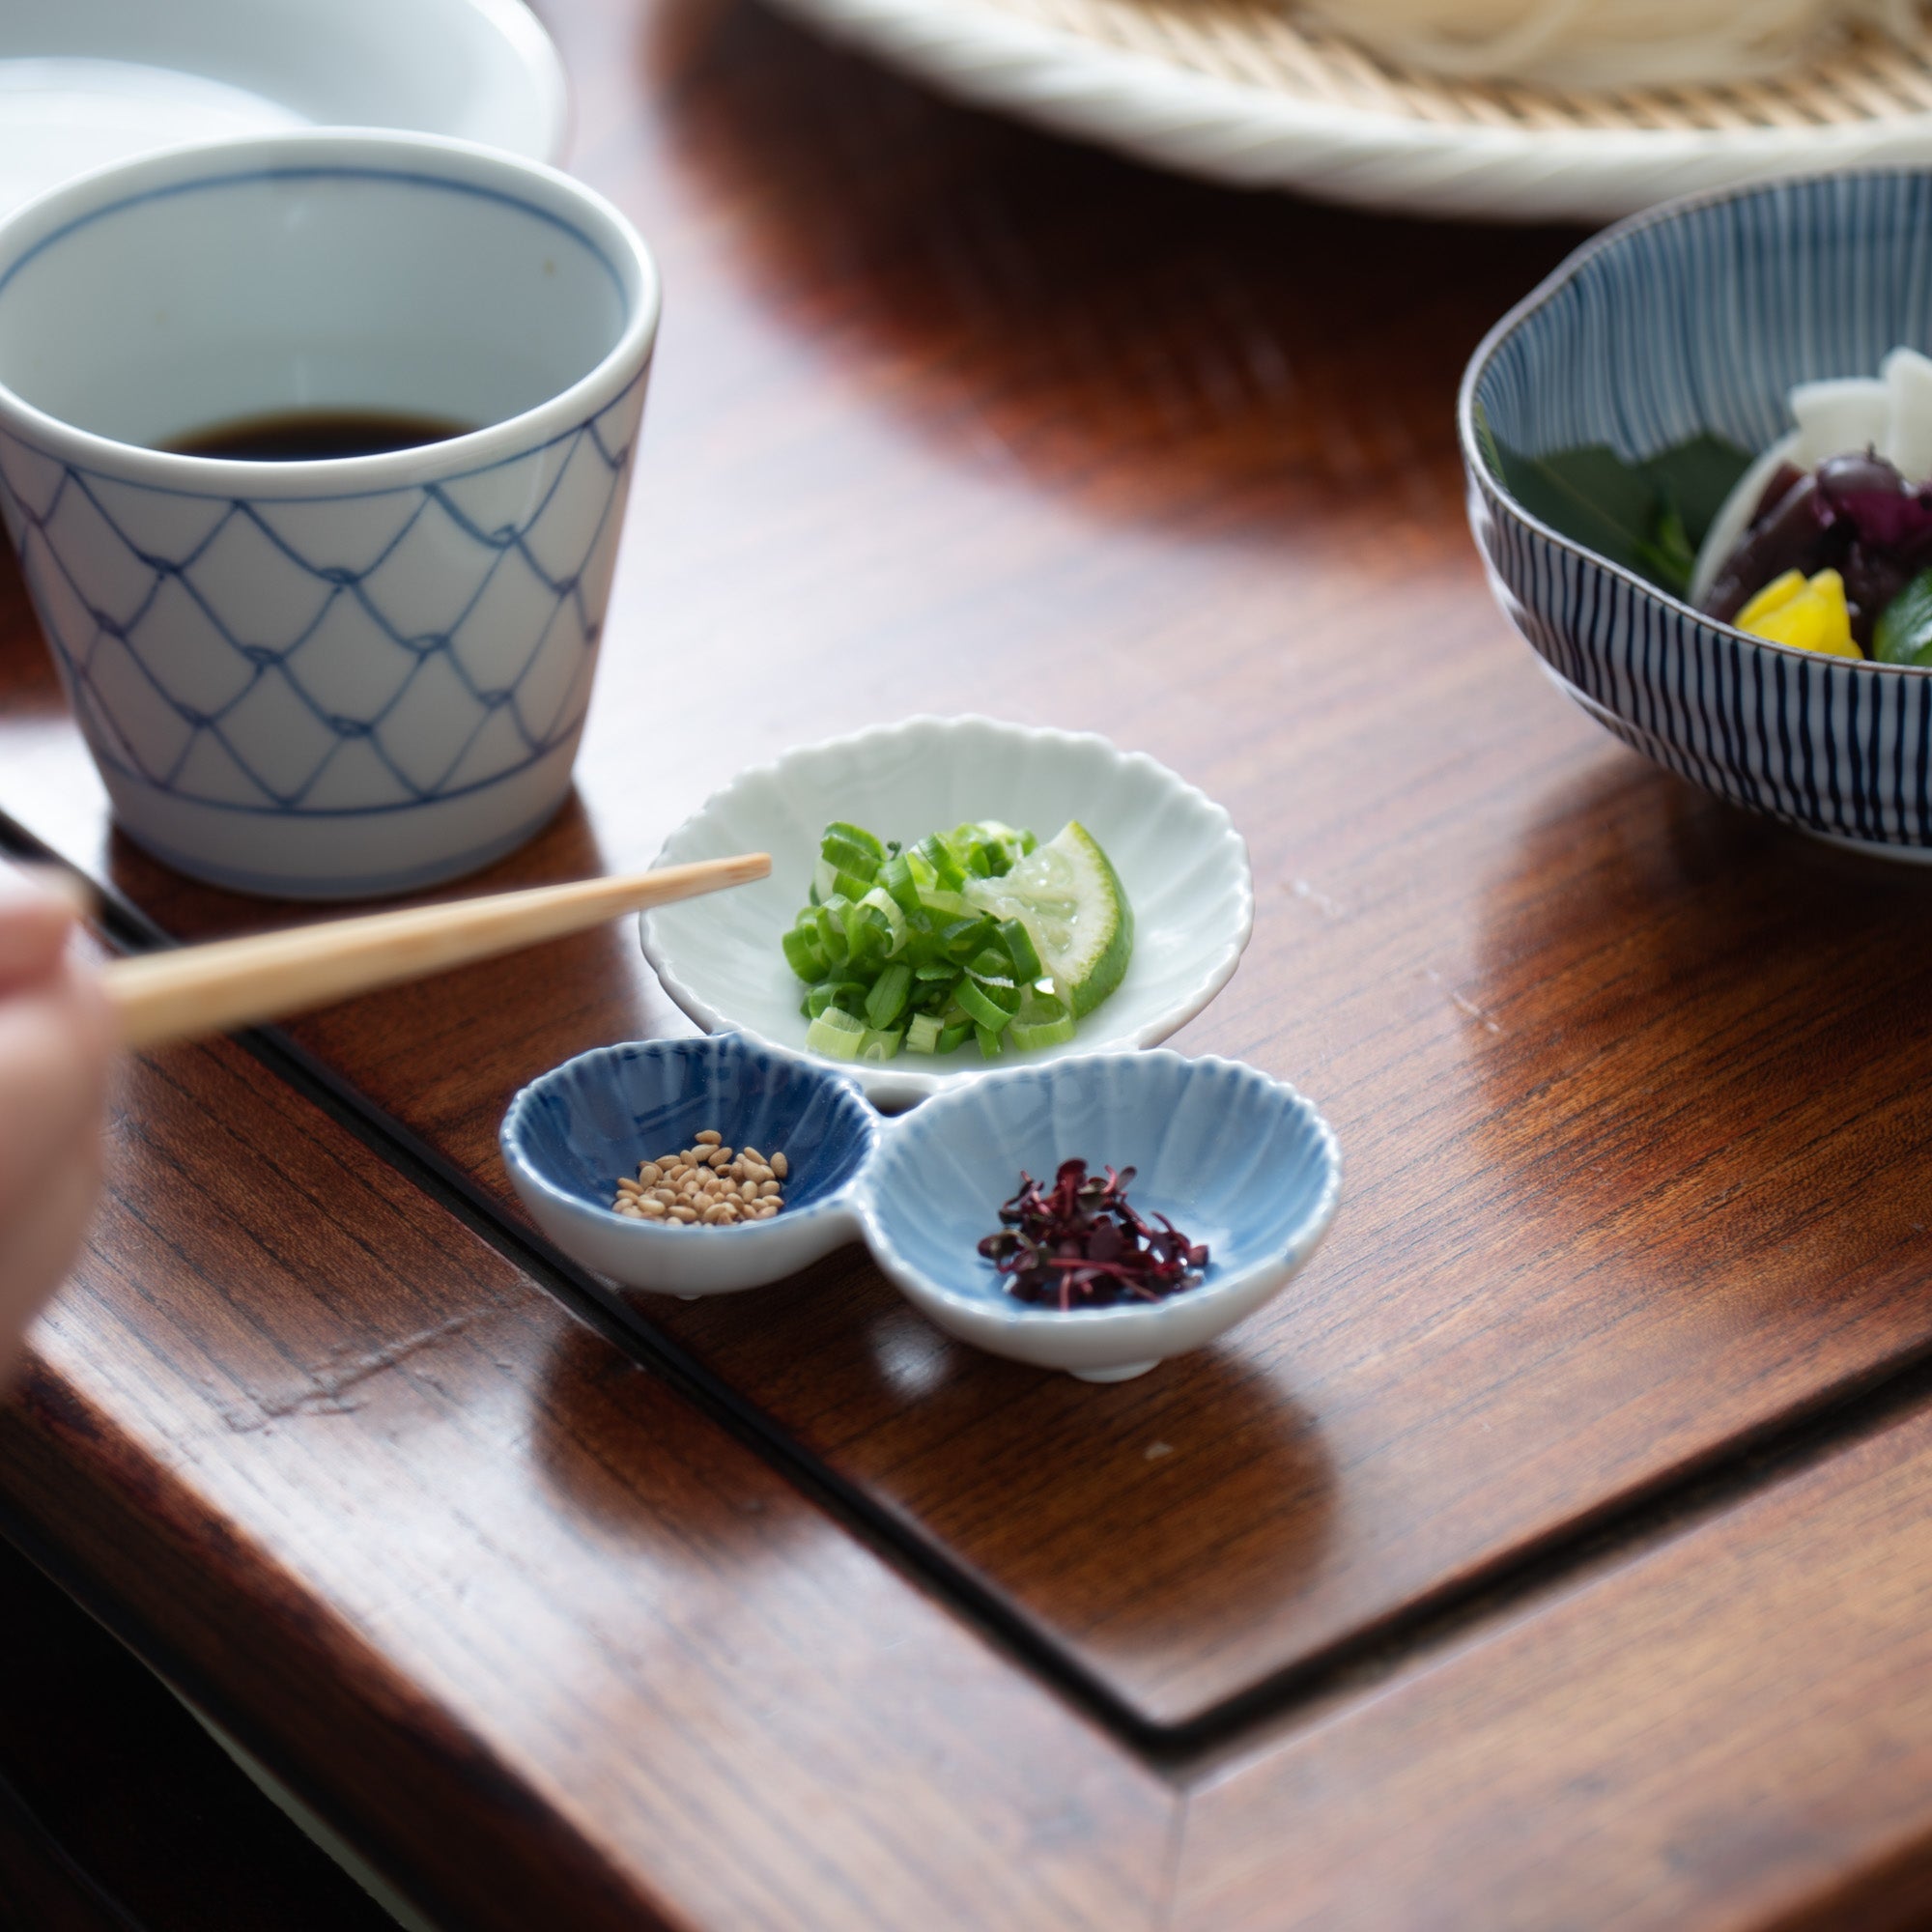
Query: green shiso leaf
1648, 516
1667, 555
1697, 476
1904, 634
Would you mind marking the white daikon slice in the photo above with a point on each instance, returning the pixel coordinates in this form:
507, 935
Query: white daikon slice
1908, 436
1835, 419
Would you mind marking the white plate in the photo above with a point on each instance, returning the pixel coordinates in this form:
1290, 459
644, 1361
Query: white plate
1199, 90
1184, 866
84, 83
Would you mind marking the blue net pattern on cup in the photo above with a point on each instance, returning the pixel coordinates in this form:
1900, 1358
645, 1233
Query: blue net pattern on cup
338, 691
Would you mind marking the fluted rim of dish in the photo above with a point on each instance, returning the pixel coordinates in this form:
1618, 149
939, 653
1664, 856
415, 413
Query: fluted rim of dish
895, 1082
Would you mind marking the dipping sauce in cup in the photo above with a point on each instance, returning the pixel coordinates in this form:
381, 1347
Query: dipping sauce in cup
315, 450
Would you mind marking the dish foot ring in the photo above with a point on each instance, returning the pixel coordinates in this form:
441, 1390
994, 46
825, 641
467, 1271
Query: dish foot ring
1125, 1373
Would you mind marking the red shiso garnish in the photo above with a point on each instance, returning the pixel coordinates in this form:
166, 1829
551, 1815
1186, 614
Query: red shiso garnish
1078, 1244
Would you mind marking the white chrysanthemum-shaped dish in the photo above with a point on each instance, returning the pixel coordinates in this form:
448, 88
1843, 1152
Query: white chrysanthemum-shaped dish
1184, 866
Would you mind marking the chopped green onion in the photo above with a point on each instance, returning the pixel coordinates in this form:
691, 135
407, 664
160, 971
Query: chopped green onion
1020, 949
827, 879
982, 1006
882, 903
829, 922
852, 849
804, 955
897, 880
1043, 1021
887, 999
946, 872
868, 938
989, 849
836, 1034
965, 937
921, 943
893, 955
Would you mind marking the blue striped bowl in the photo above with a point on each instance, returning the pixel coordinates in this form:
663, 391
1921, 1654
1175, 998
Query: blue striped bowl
1701, 315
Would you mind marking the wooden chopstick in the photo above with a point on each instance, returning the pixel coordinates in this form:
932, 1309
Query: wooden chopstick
198, 990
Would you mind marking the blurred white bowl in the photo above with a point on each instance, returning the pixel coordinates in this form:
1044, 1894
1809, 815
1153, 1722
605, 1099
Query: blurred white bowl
86, 83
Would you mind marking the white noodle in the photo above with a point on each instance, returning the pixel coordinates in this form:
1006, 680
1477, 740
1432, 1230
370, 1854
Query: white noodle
1598, 44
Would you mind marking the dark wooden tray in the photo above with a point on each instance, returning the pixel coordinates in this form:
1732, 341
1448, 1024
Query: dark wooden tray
948, 417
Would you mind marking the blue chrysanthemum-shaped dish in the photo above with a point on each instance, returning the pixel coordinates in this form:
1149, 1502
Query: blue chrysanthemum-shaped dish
568, 1137
1235, 1159
1238, 1161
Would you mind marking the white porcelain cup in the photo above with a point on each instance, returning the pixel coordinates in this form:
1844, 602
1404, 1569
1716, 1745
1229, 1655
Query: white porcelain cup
323, 679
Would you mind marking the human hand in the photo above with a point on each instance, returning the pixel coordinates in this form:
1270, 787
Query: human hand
56, 1040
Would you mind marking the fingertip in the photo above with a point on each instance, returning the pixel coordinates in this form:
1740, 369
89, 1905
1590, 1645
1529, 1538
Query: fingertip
36, 921
94, 1012
50, 882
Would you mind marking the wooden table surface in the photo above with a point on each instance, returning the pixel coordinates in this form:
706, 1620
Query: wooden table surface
1552, 1552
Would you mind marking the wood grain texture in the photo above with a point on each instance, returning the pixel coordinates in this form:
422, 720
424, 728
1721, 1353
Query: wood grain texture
1630, 1089
948, 416
936, 393
554, 1649
547, 1644
1732, 1731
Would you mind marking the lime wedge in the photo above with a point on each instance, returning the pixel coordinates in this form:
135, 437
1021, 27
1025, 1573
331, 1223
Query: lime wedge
1072, 904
